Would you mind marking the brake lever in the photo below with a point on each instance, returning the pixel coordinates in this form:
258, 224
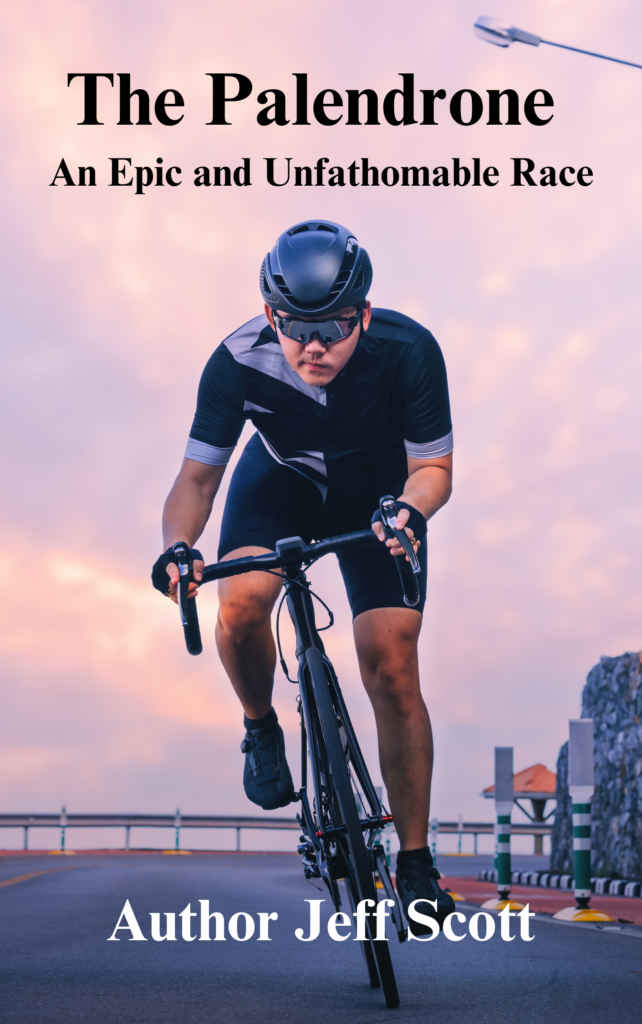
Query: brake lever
187, 605
389, 513
183, 560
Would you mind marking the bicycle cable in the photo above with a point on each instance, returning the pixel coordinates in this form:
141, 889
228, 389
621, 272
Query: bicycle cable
303, 586
320, 629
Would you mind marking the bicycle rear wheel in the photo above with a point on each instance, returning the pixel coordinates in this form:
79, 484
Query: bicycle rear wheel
356, 854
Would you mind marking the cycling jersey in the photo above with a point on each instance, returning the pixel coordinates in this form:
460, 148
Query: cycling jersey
391, 399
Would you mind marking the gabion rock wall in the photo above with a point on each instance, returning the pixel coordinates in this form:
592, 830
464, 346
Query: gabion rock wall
612, 697
562, 832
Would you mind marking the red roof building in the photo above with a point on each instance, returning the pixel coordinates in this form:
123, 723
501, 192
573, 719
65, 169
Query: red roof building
534, 783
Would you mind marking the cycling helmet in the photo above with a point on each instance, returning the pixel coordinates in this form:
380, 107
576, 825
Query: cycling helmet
316, 266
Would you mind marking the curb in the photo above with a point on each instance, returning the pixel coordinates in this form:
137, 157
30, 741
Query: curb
546, 880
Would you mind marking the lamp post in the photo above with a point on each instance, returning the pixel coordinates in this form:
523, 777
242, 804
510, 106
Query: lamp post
500, 33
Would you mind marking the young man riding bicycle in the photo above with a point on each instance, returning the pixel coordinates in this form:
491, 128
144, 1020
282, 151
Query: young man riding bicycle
349, 404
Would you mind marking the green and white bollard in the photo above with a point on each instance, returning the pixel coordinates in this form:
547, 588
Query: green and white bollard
503, 810
582, 853
504, 797
581, 787
504, 873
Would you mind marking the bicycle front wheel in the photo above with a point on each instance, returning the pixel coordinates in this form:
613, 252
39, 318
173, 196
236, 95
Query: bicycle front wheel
356, 854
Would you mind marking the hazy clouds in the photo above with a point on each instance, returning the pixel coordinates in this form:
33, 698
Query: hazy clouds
113, 302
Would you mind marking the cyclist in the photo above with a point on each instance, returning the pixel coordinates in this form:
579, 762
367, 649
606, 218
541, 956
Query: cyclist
349, 403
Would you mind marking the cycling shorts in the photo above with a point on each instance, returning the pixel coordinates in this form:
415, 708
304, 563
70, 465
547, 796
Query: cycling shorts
267, 501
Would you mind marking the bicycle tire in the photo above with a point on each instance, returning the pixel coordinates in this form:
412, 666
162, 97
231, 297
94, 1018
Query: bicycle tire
359, 856
366, 947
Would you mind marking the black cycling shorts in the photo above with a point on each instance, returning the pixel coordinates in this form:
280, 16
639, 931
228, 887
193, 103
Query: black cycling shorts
267, 502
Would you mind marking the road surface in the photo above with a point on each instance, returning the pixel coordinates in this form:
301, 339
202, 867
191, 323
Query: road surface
57, 965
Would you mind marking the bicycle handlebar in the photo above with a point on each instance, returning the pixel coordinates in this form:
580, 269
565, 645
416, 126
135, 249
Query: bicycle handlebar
290, 552
273, 560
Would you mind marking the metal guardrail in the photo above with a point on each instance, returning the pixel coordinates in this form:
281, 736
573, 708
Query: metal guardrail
178, 821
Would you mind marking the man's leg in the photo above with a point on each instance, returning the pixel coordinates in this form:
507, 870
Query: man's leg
244, 634
246, 646
386, 642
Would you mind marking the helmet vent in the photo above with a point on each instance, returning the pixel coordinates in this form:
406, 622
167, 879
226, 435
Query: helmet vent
339, 284
279, 281
358, 283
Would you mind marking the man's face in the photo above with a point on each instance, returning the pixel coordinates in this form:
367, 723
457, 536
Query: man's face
315, 362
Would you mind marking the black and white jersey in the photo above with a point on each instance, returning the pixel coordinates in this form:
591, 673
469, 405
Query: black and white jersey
391, 399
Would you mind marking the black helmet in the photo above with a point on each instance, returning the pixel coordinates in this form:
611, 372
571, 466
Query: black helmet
315, 267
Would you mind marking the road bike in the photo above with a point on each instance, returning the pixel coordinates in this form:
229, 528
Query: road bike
340, 828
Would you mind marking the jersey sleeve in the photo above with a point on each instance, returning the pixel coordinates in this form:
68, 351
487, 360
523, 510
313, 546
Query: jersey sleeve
427, 427
219, 416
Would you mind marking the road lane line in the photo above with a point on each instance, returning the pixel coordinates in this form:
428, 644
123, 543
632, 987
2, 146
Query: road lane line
34, 874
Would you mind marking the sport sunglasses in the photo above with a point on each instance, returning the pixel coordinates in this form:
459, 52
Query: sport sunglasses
328, 331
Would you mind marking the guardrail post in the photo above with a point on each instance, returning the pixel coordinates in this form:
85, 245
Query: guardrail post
26, 842
177, 825
127, 828
434, 832
460, 831
238, 839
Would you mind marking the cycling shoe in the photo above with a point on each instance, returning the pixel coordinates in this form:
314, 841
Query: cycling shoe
417, 880
266, 778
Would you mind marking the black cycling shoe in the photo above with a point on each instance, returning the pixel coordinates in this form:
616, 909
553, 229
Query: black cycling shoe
417, 880
266, 779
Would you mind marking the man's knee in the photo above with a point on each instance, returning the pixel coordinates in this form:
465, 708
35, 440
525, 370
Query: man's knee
396, 686
387, 649
241, 614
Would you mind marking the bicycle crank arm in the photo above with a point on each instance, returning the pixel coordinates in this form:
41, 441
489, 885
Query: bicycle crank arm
384, 874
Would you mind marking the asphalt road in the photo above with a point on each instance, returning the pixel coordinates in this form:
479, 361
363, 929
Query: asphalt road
57, 966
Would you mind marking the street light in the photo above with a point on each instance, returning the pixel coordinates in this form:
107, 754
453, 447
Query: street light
492, 30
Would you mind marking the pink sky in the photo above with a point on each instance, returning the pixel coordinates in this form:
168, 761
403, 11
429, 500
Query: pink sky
113, 302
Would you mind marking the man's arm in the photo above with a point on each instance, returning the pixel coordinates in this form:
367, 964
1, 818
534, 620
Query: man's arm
428, 487
429, 484
187, 509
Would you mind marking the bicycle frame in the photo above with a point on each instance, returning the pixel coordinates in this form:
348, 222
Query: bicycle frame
329, 834
319, 847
